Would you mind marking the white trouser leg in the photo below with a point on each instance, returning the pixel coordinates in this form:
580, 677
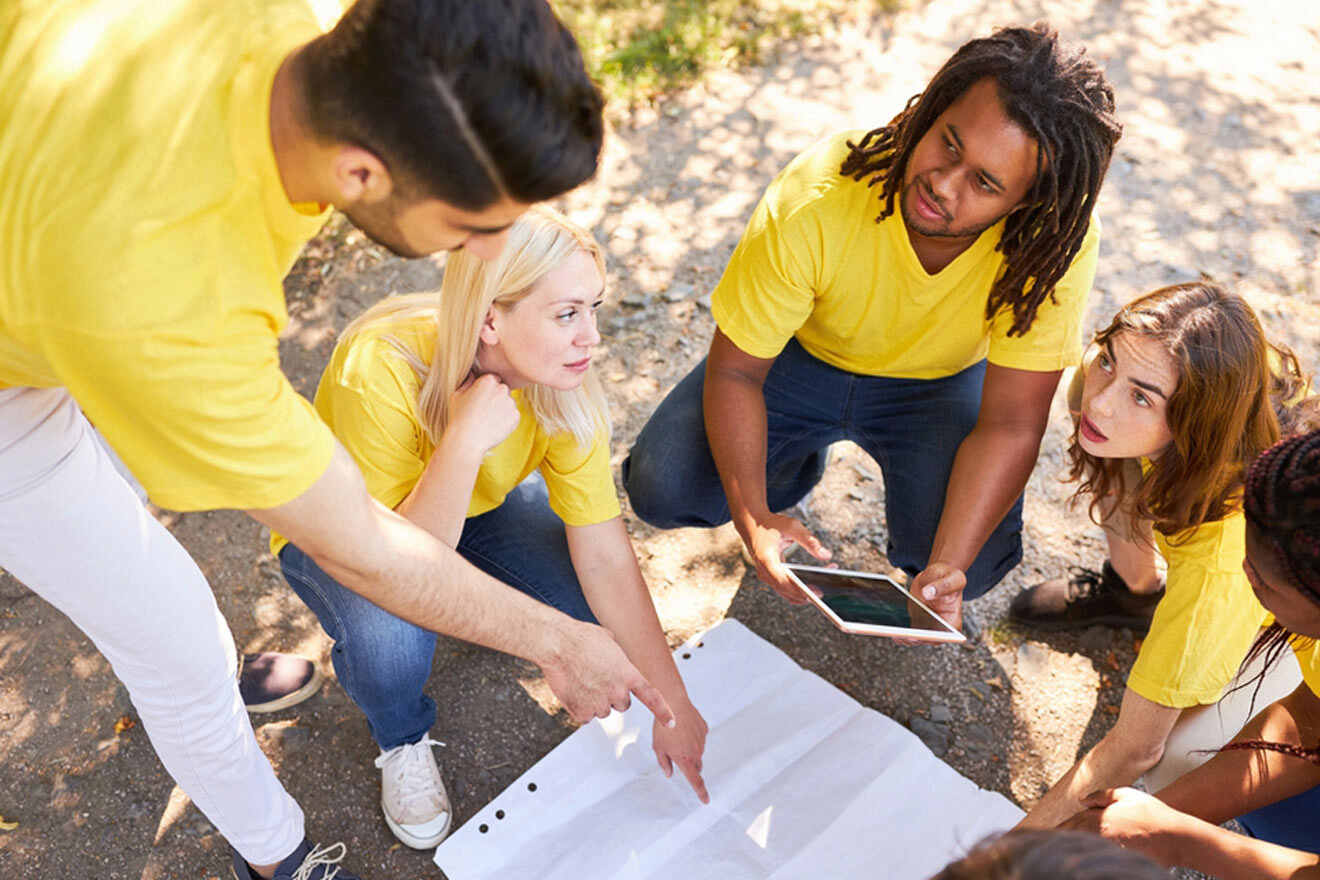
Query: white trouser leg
1201, 730
74, 531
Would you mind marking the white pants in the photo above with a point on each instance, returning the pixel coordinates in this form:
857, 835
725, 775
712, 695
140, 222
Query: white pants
1201, 730
74, 531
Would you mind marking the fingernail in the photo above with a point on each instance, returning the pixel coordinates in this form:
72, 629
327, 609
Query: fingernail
928, 592
673, 722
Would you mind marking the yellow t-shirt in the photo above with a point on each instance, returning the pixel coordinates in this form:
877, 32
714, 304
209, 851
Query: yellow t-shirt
1308, 658
368, 397
814, 264
147, 234
1206, 622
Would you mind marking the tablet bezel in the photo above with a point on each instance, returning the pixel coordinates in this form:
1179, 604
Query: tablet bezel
949, 636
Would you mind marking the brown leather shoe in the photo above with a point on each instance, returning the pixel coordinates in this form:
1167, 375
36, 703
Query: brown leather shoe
1085, 598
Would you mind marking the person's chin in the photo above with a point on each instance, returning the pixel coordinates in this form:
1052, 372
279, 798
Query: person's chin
1096, 450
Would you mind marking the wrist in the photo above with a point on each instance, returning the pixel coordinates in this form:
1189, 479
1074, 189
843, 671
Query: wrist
456, 448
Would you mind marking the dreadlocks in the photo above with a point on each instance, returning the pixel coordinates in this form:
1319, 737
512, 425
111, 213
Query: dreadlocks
1281, 502
1060, 98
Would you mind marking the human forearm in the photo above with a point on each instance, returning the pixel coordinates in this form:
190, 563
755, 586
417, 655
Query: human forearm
1109, 765
1238, 781
439, 501
1136, 820
734, 406
979, 494
407, 571
1131, 747
606, 566
1218, 852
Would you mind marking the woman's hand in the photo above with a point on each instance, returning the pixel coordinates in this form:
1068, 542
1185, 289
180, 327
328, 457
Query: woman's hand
1132, 819
482, 413
683, 744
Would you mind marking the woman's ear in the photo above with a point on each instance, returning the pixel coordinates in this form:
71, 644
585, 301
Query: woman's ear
490, 334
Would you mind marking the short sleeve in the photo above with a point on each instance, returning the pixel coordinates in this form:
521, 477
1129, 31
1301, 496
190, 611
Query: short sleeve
769, 287
1055, 338
202, 424
368, 398
1308, 658
578, 480
1204, 625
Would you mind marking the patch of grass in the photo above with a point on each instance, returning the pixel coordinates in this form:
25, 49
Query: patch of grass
639, 49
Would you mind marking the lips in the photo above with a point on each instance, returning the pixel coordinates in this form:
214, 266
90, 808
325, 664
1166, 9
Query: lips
926, 205
1090, 431
579, 366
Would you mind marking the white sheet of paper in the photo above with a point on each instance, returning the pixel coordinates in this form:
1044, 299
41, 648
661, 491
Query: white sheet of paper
804, 782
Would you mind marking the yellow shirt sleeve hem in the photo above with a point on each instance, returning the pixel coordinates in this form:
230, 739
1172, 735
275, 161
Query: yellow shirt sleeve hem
746, 343
1172, 697
270, 494
1039, 363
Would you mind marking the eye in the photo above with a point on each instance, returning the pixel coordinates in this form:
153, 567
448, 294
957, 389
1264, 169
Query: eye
1141, 399
597, 304
949, 146
1104, 362
985, 185
566, 315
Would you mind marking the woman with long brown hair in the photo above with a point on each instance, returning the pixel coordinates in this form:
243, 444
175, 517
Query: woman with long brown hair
1175, 398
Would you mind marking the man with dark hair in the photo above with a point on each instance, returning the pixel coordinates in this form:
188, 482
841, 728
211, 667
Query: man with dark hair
159, 171
916, 289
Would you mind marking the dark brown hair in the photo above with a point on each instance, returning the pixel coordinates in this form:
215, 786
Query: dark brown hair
465, 102
1224, 411
1051, 855
1059, 97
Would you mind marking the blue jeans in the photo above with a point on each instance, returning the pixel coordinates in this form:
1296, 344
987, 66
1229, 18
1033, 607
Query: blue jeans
911, 427
383, 662
1294, 822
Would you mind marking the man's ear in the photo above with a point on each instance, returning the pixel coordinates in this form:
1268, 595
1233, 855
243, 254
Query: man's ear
360, 176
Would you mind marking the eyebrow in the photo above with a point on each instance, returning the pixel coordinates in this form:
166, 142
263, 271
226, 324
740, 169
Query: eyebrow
1154, 389
957, 139
483, 230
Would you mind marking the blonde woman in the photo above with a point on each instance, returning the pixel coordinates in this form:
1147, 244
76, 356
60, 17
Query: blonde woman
476, 414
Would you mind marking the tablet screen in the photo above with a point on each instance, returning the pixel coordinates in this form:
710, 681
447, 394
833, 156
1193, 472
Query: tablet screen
868, 600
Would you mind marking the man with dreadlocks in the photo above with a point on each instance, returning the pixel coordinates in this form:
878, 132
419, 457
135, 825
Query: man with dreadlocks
916, 289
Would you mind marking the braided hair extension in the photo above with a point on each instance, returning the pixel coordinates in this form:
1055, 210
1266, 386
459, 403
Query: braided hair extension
1281, 503
1059, 97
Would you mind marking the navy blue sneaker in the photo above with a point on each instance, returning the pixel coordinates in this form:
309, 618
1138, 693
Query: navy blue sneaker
306, 863
269, 682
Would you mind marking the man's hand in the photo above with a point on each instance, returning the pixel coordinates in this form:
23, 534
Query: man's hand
940, 587
1131, 819
482, 413
683, 744
591, 675
768, 539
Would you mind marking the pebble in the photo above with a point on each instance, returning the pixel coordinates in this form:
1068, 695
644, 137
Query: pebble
935, 736
678, 293
1095, 640
1032, 660
940, 713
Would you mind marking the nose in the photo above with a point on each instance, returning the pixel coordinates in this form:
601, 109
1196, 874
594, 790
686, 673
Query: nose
486, 246
1103, 399
589, 334
944, 184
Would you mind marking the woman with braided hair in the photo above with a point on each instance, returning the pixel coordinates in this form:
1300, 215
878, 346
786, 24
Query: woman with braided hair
1271, 770
1175, 397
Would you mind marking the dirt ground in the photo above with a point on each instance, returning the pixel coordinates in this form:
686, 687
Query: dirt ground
1216, 174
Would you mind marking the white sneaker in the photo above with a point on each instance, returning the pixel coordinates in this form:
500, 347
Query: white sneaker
412, 794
